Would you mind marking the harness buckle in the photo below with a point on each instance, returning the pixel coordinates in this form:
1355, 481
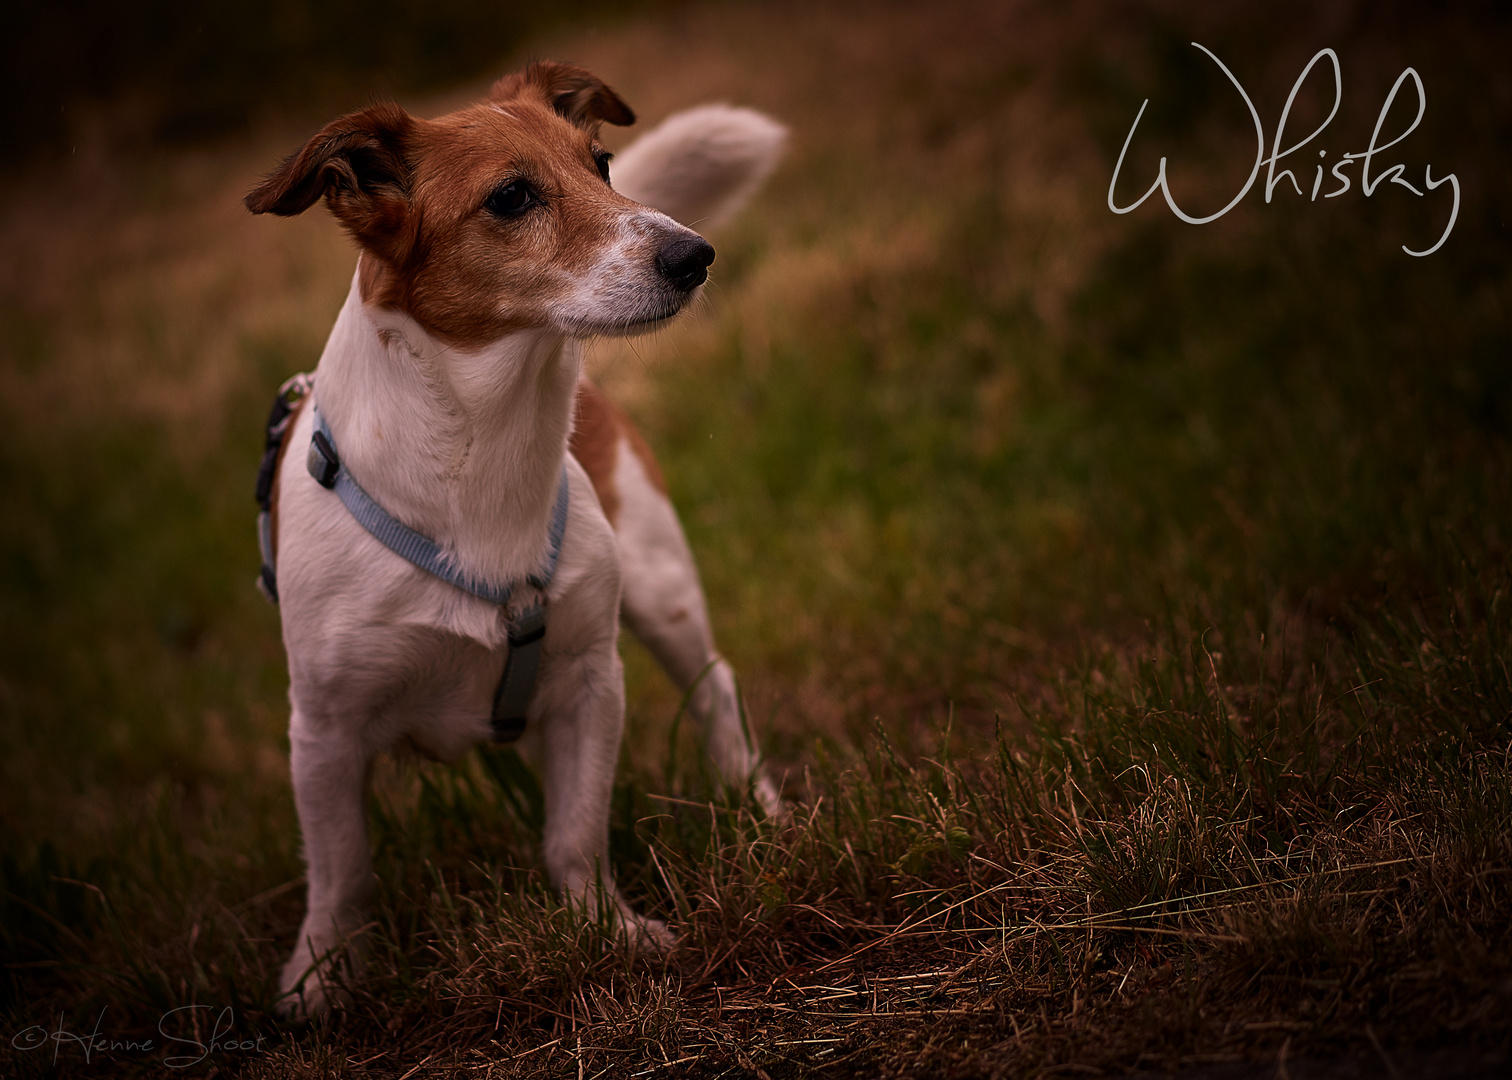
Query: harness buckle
322, 460
529, 627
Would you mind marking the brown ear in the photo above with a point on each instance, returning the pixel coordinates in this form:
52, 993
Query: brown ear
575, 94
360, 163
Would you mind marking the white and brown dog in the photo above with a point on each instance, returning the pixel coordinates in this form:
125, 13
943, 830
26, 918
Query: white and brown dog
492, 244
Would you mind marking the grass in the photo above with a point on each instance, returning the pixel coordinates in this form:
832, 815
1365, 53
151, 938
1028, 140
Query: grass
1124, 603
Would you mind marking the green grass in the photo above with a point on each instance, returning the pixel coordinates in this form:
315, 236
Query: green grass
1135, 652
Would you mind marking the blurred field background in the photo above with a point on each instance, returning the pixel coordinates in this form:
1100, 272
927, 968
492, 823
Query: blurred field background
1074, 565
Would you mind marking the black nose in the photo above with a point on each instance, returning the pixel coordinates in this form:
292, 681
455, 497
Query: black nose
685, 262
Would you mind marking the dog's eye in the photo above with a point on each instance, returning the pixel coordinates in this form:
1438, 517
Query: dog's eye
511, 199
602, 158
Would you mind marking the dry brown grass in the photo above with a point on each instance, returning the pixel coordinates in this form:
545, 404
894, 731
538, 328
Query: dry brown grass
1249, 800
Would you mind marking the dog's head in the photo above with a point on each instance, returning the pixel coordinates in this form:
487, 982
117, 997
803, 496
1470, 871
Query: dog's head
499, 217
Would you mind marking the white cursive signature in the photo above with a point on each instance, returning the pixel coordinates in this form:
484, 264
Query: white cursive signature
195, 1050
1368, 183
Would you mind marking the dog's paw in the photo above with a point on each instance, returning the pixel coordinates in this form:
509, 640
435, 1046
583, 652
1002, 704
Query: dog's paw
647, 936
312, 981
307, 988
765, 792
308, 995
643, 936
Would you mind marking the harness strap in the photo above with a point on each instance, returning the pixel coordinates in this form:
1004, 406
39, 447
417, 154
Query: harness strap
280, 420
330, 471
517, 684
526, 630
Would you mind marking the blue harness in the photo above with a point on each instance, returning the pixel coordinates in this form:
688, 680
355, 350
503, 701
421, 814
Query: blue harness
526, 630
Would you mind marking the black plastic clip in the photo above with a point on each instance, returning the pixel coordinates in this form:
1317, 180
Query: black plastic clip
322, 460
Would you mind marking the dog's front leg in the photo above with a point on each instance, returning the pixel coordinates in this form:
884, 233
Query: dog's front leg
330, 770
582, 710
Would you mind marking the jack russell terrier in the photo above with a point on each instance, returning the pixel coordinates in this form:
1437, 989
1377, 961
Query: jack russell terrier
456, 486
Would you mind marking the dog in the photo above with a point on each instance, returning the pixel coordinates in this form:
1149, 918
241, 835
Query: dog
451, 395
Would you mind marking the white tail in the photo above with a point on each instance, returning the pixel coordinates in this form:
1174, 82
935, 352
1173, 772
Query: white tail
702, 165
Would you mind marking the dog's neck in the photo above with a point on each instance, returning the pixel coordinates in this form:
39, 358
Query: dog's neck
463, 446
